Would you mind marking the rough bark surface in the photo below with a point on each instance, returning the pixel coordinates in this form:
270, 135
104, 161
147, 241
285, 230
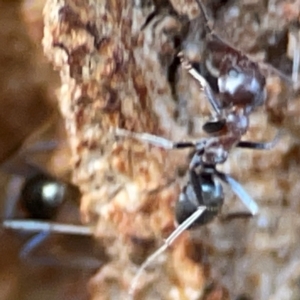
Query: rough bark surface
116, 74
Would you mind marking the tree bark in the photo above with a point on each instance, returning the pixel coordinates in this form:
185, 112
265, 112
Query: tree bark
115, 72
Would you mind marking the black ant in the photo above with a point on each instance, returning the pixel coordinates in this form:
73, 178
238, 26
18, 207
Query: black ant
234, 86
42, 198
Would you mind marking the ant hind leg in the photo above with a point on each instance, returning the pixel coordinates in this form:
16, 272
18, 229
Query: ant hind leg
168, 242
27, 252
240, 192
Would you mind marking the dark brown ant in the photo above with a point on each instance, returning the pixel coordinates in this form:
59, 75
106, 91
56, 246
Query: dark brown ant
238, 90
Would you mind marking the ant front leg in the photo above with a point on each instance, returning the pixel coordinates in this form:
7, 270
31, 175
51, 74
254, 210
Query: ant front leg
26, 253
204, 84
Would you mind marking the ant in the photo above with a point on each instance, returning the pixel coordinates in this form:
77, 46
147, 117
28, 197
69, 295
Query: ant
42, 198
234, 86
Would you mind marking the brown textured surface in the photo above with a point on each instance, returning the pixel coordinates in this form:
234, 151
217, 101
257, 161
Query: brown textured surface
115, 75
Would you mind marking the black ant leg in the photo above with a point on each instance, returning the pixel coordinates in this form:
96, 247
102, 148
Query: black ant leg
31, 245
260, 145
204, 84
240, 192
235, 215
157, 140
27, 254
168, 242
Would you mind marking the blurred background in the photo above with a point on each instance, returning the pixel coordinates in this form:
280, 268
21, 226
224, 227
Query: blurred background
30, 124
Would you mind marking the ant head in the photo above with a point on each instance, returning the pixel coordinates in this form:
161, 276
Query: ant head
240, 81
201, 190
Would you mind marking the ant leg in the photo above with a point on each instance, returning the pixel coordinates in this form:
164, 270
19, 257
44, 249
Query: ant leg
155, 140
260, 145
235, 215
204, 84
296, 58
269, 68
37, 226
31, 245
240, 192
207, 27
27, 254
168, 242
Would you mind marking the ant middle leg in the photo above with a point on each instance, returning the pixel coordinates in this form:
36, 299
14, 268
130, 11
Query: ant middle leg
158, 141
167, 243
260, 145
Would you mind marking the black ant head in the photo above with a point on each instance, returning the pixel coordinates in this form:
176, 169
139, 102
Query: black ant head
201, 190
42, 196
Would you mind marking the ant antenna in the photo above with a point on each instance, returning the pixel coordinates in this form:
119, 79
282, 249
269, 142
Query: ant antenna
168, 242
203, 83
37, 226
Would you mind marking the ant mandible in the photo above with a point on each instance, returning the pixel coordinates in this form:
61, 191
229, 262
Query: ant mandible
235, 87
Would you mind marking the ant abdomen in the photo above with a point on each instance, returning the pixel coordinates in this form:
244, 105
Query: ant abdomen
201, 190
42, 196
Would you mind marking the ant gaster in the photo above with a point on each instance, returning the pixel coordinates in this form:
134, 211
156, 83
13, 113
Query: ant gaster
42, 195
234, 86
